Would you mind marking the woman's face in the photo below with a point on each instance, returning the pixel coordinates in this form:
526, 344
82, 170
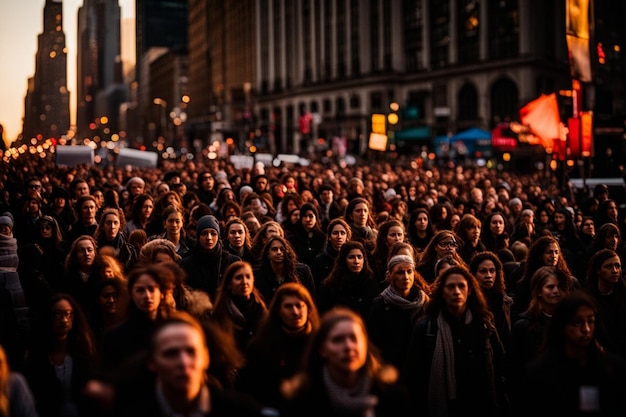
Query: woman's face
473, 234
550, 293
308, 220
345, 348
276, 253
454, 220
242, 283
486, 274
559, 219
338, 236
294, 217
544, 218
291, 205
236, 235
208, 238
107, 299
360, 214
45, 229
610, 271
496, 225
146, 209
588, 227
611, 211
395, 234
293, 312
611, 241
111, 226
579, 332
421, 222
63, 318
85, 253
447, 246
551, 255
146, 295
355, 261
174, 223
401, 278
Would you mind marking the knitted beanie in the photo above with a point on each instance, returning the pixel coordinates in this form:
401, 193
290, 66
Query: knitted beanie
207, 222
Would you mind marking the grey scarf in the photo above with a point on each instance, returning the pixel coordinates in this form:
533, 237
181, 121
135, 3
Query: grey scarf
356, 400
442, 384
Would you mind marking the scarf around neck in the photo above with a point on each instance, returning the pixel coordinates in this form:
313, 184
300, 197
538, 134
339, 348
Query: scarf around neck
353, 401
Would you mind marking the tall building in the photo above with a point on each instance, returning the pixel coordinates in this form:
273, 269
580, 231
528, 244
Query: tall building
47, 111
160, 25
100, 87
222, 68
447, 65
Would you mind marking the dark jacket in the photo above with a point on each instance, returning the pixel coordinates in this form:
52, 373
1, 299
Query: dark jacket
265, 280
205, 268
306, 245
324, 263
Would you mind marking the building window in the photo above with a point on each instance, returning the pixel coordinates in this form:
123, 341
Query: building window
504, 101
503, 29
468, 103
468, 28
413, 26
439, 33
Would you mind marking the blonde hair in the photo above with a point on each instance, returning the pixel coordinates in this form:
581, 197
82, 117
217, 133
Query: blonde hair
5, 373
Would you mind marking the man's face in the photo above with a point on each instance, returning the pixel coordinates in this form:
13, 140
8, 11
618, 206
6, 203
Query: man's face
88, 211
326, 196
136, 188
455, 293
180, 360
111, 226
81, 189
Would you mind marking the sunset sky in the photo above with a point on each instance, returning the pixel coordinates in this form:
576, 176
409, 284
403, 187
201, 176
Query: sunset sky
22, 23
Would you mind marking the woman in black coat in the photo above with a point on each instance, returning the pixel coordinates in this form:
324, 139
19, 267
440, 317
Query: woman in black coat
396, 310
351, 283
338, 233
307, 237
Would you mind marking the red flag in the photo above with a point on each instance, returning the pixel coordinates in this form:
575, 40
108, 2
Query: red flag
543, 119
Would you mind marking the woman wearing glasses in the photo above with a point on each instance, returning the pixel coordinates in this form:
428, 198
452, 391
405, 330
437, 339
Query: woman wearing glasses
444, 243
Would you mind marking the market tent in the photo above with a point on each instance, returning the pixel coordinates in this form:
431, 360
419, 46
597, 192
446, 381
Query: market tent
471, 140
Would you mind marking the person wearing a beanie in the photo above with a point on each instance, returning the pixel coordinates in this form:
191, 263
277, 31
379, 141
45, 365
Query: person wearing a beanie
209, 259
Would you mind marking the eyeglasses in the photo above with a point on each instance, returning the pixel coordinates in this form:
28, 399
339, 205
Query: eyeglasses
448, 244
60, 315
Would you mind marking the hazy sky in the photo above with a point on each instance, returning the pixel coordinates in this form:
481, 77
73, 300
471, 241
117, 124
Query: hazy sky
21, 24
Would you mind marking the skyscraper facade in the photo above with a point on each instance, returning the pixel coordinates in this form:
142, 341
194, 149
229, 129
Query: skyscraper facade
47, 112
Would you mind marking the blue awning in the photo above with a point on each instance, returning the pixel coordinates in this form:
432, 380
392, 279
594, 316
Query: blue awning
414, 133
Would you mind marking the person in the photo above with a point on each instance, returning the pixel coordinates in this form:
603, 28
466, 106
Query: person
251, 222
608, 212
25, 223
82, 271
469, 231
566, 233
397, 308
16, 398
444, 243
15, 313
337, 234
86, 223
159, 217
609, 236
286, 205
329, 208
208, 260
351, 282
267, 230
109, 304
61, 210
205, 187
573, 375
524, 228
389, 232
109, 234
547, 286
280, 265
343, 376
62, 358
179, 358
147, 304
276, 351
420, 230
358, 215
488, 270
307, 238
545, 251
605, 283
238, 240
54, 250
239, 306
173, 230
456, 361
587, 233
495, 235
140, 213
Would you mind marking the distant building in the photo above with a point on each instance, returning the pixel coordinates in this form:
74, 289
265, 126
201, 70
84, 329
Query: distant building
47, 101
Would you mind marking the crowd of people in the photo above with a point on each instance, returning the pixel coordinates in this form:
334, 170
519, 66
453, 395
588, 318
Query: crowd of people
199, 289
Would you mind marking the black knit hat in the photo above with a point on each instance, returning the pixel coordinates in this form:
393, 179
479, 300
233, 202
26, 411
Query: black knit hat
207, 222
